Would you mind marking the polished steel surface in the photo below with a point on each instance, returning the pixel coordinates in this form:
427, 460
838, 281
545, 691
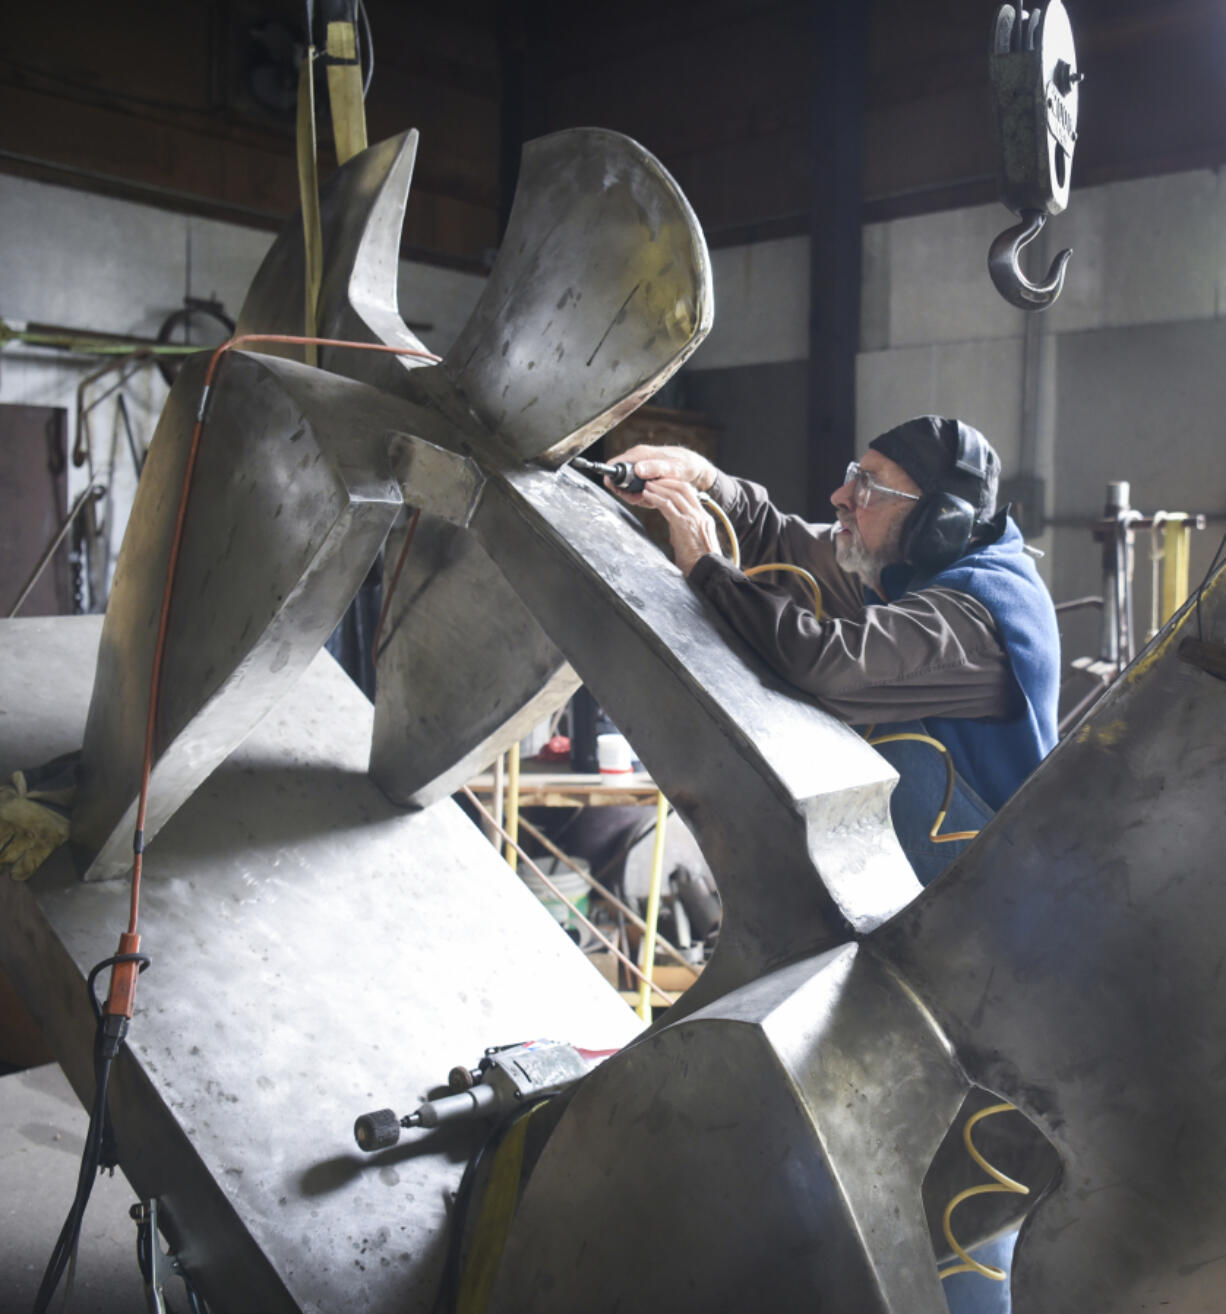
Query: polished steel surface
298, 480
506, 674
763, 1153
316, 952
1073, 956
361, 215
602, 288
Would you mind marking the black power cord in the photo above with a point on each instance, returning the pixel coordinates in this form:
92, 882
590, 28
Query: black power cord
99, 1140
1204, 584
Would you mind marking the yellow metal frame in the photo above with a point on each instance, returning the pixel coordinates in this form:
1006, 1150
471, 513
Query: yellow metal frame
1176, 564
345, 92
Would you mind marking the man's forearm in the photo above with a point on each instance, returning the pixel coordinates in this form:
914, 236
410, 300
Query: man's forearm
933, 653
766, 534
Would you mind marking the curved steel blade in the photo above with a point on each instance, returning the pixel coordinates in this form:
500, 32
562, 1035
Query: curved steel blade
1074, 956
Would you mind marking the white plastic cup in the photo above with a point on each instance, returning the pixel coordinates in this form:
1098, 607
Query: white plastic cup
614, 758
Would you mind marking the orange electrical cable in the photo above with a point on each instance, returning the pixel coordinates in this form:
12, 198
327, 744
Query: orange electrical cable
122, 992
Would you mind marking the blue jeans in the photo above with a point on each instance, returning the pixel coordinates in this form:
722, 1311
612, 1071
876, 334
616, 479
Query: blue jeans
917, 799
972, 1293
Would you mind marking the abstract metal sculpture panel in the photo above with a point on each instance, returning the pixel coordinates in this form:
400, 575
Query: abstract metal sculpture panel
845, 1015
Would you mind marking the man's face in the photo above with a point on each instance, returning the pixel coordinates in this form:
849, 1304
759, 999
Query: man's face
870, 536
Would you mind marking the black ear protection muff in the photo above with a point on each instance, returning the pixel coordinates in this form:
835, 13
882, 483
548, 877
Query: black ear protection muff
939, 529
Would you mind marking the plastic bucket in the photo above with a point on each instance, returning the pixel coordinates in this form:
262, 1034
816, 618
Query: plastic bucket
568, 882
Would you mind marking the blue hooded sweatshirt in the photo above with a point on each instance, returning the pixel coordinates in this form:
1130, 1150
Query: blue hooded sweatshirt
994, 756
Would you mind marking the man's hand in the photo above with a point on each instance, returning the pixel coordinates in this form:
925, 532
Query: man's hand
676, 463
691, 530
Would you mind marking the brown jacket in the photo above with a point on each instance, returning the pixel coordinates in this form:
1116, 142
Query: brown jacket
932, 652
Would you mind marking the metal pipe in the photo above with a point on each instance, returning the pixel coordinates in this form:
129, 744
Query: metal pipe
606, 893
498, 798
1114, 565
90, 342
653, 908
513, 805
138, 461
1176, 564
96, 491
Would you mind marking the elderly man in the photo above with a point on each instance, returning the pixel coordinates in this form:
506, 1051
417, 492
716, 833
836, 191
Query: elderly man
934, 622
934, 619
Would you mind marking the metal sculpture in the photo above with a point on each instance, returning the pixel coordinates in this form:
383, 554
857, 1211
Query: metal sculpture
845, 1016
316, 950
1067, 962
603, 258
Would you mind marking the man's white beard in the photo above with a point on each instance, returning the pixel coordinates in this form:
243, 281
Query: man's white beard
857, 560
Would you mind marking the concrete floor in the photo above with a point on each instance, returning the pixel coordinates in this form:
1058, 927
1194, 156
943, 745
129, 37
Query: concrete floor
42, 1132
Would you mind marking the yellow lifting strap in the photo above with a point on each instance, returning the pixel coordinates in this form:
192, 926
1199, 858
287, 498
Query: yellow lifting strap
345, 92
498, 1204
308, 194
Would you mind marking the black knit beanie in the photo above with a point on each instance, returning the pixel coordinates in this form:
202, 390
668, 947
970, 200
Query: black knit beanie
927, 448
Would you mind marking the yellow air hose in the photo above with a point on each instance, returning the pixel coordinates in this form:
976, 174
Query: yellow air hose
735, 555
939, 820
1000, 1183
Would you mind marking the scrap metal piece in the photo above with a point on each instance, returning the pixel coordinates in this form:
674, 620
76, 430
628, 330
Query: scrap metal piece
296, 486
1073, 957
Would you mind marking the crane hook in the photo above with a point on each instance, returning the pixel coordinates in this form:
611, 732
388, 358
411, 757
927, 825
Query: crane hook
1006, 272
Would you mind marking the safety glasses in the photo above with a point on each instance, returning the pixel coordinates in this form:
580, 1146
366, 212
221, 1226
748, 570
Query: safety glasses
866, 486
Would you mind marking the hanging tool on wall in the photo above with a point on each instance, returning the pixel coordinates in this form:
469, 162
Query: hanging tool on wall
1035, 79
